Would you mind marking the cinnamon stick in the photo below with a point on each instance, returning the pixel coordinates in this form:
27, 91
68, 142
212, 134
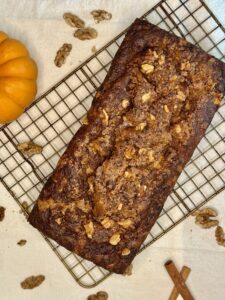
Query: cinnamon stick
184, 273
178, 281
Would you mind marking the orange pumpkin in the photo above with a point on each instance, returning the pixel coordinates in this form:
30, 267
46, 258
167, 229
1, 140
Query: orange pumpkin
18, 76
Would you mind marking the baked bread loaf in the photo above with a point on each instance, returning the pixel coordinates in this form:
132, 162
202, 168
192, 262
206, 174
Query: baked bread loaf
150, 113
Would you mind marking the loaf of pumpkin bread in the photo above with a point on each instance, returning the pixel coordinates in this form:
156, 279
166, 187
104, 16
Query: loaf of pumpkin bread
147, 118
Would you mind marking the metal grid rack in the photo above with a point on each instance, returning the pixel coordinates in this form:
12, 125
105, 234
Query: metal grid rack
53, 119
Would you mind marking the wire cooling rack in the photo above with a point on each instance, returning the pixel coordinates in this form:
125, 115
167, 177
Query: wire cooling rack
54, 118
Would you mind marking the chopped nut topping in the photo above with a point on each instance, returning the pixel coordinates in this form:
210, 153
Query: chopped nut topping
166, 109
62, 54
218, 98
220, 236
96, 147
128, 175
142, 151
173, 78
162, 59
126, 223
125, 252
120, 206
141, 126
101, 15
152, 117
155, 54
107, 223
105, 118
58, 221
147, 68
146, 97
129, 152
180, 95
89, 228
178, 129
87, 33
150, 155
85, 120
125, 103
73, 20
85, 207
115, 239
89, 170
185, 66
187, 105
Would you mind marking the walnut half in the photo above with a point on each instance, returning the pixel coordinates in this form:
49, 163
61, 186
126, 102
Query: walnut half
89, 228
115, 239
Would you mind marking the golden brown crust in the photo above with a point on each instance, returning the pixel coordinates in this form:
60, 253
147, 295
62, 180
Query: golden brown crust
144, 124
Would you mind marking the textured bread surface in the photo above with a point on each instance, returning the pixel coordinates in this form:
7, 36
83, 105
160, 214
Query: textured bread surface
150, 113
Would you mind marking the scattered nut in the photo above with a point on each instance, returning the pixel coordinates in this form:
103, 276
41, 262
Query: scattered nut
73, 20
87, 33
115, 239
93, 49
203, 218
166, 109
29, 148
101, 15
62, 54
89, 228
2, 213
128, 270
32, 282
99, 296
147, 68
125, 223
125, 103
125, 252
146, 97
120, 206
205, 211
180, 95
220, 236
22, 242
107, 223
84, 121
102, 295
162, 59
129, 152
141, 126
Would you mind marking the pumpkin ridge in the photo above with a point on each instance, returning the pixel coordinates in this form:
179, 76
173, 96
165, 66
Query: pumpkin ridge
13, 100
